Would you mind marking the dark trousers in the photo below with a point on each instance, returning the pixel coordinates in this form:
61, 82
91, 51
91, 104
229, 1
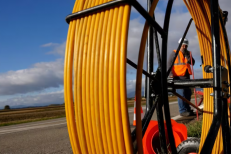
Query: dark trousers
186, 93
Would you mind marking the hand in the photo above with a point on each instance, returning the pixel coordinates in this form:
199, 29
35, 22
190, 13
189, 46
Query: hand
186, 53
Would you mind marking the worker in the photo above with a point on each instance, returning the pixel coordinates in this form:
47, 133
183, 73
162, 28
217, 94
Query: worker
181, 70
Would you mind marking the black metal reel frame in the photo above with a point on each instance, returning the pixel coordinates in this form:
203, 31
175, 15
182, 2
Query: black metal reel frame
160, 76
225, 14
150, 20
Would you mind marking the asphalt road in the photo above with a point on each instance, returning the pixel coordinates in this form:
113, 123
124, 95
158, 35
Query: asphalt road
48, 136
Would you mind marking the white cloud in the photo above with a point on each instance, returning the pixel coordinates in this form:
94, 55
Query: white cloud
198, 73
131, 85
58, 49
49, 44
35, 100
41, 76
50, 74
134, 38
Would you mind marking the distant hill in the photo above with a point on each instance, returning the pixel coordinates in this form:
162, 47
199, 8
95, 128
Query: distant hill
25, 106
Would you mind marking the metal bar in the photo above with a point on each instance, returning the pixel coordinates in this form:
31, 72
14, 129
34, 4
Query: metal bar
135, 66
149, 100
225, 128
212, 134
160, 119
145, 87
164, 92
157, 44
159, 111
225, 123
148, 118
195, 96
134, 3
145, 14
145, 121
227, 50
95, 9
191, 83
186, 101
179, 46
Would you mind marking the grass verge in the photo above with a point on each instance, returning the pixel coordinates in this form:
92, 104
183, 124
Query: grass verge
194, 128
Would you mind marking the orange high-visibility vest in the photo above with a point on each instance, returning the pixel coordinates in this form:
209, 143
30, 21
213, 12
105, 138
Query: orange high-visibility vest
180, 65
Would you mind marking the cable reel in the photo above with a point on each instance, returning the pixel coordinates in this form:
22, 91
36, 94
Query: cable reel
96, 112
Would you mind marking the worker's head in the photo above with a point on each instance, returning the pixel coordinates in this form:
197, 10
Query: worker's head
184, 45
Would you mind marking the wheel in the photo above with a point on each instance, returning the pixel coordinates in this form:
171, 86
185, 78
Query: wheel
189, 146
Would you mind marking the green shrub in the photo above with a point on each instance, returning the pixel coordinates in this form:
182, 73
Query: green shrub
194, 129
7, 107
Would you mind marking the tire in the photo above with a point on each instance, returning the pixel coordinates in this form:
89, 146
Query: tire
190, 145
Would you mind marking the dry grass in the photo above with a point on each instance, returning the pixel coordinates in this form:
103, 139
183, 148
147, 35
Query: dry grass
15, 116
30, 114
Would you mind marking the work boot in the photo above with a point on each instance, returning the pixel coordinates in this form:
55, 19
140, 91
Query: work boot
192, 113
185, 114
188, 113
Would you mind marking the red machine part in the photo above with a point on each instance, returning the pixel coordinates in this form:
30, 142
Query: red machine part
201, 94
151, 142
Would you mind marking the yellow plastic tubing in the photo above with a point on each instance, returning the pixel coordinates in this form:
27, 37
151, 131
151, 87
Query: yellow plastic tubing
139, 80
95, 69
201, 15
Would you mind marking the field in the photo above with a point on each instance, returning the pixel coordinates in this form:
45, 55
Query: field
15, 116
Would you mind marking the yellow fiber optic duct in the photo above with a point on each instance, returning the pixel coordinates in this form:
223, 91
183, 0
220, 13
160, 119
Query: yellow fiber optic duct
95, 60
201, 15
96, 46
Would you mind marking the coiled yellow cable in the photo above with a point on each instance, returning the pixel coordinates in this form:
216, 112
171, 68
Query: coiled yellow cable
96, 47
200, 12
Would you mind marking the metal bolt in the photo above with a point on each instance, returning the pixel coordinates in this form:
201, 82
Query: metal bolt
152, 73
211, 70
222, 94
152, 95
211, 94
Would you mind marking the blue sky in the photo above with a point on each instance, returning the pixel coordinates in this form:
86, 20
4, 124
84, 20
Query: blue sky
32, 46
25, 26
